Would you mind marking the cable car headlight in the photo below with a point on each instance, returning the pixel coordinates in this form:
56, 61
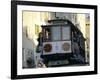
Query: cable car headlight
66, 46
47, 47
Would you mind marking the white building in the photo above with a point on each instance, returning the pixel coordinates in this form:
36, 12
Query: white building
32, 22
28, 52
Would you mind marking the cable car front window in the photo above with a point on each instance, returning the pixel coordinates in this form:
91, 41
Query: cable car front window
47, 34
65, 33
56, 33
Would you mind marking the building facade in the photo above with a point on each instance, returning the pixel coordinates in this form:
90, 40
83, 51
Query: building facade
32, 22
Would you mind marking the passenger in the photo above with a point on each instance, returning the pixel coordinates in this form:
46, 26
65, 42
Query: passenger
77, 54
40, 40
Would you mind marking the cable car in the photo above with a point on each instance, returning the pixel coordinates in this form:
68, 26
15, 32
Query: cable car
63, 44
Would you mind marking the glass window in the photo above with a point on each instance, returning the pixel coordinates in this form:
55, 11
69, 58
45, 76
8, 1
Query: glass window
47, 34
65, 33
56, 33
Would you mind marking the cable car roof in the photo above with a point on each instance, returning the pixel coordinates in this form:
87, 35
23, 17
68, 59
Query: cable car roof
61, 22
58, 20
